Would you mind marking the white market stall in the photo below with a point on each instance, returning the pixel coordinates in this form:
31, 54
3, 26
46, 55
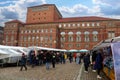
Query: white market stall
111, 51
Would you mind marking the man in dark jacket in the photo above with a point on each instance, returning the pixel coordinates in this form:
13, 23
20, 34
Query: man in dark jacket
93, 60
86, 60
98, 63
23, 62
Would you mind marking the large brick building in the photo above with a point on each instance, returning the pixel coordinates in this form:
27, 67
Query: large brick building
1, 34
46, 27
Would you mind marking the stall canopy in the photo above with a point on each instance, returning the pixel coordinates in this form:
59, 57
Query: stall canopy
72, 50
44, 48
106, 42
83, 50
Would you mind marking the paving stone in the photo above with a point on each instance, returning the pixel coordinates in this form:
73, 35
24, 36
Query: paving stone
68, 71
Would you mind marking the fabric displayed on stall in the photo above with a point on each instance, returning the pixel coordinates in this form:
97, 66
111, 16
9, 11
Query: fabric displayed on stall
116, 57
108, 62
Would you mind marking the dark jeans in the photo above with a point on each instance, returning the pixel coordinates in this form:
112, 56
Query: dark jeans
86, 67
53, 64
98, 71
22, 67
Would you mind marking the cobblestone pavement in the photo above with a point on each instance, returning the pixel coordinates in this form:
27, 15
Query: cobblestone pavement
91, 75
68, 71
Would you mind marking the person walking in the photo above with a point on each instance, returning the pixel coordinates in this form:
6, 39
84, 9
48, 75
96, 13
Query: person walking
93, 60
33, 58
86, 60
53, 60
70, 57
98, 64
23, 62
48, 60
77, 58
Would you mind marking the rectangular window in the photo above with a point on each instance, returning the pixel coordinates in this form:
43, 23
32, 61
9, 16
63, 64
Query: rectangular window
64, 25
70, 45
111, 34
78, 25
12, 38
62, 39
6, 38
93, 24
98, 24
83, 24
73, 25
62, 45
78, 39
51, 30
86, 38
60, 25
70, 38
88, 24
69, 25
95, 38
77, 45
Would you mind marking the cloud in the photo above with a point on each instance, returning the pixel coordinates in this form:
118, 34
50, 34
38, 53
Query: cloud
107, 2
9, 14
7, 2
108, 7
79, 10
16, 9
43, 1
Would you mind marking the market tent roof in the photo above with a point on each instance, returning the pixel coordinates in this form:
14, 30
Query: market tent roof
45, 48
8, 51
15, 49
72, 50
107, 42
83, 50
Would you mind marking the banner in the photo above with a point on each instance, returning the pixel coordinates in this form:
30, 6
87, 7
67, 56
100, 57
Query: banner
116, 58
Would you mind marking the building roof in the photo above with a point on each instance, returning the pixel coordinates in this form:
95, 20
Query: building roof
42, 5
77, 19
15, 21
89, 18
47, 5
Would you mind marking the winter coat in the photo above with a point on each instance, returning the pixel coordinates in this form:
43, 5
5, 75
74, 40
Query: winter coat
94, 56
48, 57
98, 61
86, 60
23, 60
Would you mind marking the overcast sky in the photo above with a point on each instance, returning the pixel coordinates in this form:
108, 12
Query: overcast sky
16, 9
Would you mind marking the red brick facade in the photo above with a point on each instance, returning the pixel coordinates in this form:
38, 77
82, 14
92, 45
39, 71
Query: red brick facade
45, 27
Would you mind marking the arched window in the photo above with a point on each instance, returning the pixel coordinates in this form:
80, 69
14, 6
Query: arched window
78, 37
95, 36
86, 33
62, 33
70, 36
